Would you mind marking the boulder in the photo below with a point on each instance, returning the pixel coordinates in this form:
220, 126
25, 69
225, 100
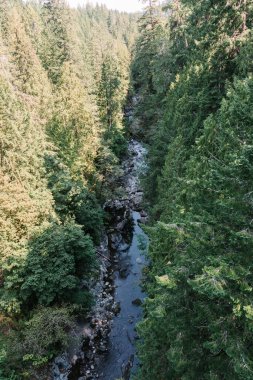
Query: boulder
116, 308
137, 302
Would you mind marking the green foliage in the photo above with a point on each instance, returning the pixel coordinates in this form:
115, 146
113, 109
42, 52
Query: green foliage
150, 72
73, 127
112, 91
198, 316
40, 339
73, 200
58, 260
116, 141
109, 171
54, 51
58, 161
46, 333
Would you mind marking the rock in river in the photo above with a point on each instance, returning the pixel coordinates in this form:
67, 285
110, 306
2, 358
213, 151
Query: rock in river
137, 302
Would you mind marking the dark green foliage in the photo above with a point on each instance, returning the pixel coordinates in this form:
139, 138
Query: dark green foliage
57, 261
117, 141
38, 341
112, 92
73, 200
149, 72
198, 317
46, 333
88, 213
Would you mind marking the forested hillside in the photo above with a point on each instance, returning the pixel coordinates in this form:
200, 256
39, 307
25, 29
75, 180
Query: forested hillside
193, 74
64, 77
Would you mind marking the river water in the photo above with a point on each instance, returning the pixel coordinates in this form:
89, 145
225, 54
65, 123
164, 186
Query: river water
123, 336
121, 361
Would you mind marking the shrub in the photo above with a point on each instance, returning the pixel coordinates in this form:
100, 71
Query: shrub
58, 260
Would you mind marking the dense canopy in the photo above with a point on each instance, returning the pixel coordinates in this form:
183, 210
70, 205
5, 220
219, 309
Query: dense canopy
193, 72
65, 77
63, 86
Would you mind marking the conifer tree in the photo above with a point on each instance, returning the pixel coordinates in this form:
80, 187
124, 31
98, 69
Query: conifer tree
56, 167
55, 51
197, 323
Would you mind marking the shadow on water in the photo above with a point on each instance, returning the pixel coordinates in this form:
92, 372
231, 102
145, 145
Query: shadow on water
121, 359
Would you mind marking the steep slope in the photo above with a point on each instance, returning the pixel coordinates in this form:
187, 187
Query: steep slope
198, 322
61, 121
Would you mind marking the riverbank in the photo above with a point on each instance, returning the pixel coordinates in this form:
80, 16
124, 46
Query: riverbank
107, 351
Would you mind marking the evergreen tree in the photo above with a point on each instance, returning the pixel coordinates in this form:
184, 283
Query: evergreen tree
56, 167
55, 50
198, 316
151, 73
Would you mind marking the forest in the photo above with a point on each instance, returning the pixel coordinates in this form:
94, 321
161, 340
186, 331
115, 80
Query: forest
193, 71
66, 76
63, 87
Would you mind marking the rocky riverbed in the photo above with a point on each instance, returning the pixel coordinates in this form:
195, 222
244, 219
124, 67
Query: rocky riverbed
106, 348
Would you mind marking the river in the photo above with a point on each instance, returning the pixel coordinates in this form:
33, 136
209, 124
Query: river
130, 258
122, 350
108, 338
